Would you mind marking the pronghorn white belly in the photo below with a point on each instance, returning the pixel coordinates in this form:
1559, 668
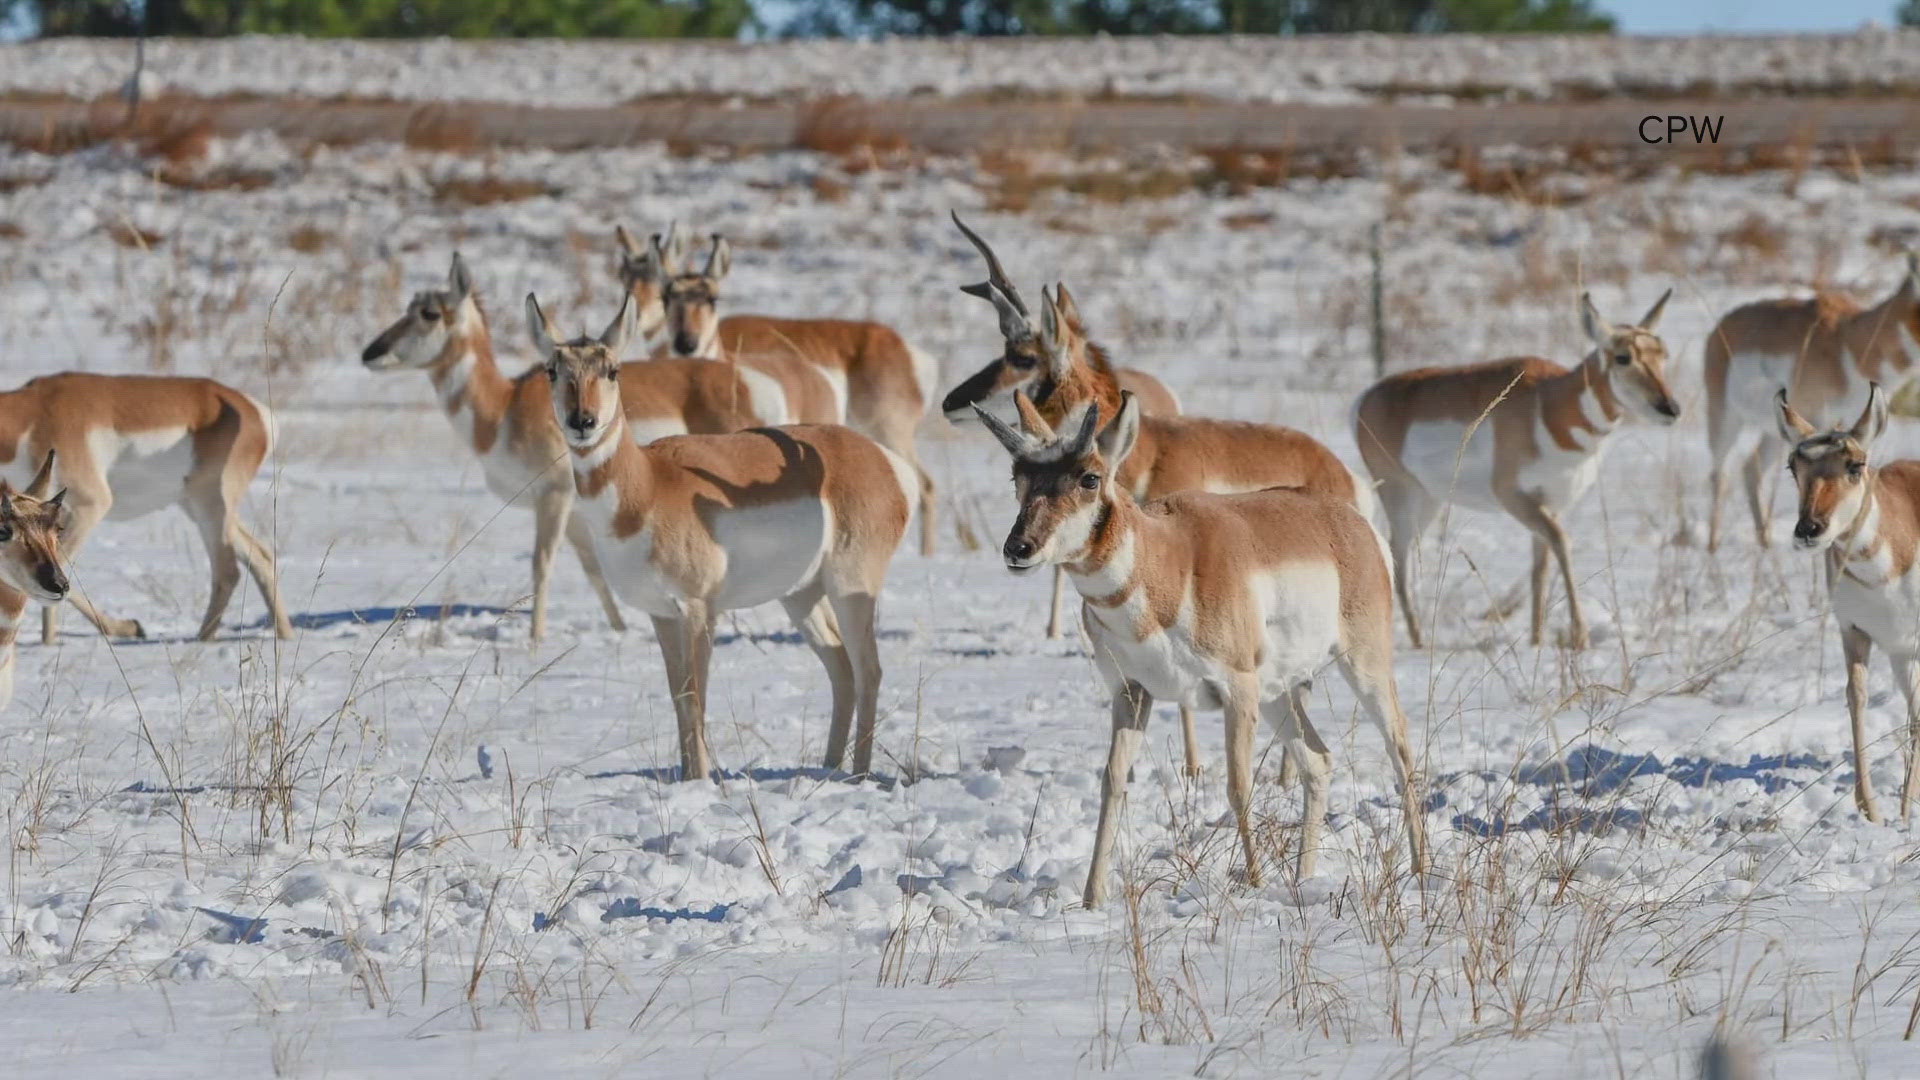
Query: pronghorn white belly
647, 429
513, 480
836, 380
145, 470
1164, 662
771, 550
1889, 615
1301, 612
1753, 378
765, 396
1449, 464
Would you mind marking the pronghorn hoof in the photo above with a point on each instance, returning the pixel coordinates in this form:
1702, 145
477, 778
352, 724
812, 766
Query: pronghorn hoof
139, 633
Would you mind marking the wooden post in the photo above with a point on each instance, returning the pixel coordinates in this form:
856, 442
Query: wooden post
1379, 306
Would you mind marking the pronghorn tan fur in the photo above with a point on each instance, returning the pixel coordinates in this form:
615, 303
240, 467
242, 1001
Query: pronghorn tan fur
876, 382
1231, 602
1523, 436
1824, 350
129, 445
507, 422
1866, 520
1061, 369
690, 526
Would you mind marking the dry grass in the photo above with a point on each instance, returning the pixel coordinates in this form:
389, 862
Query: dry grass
10, 230
129, 235
307, 239
445, 128
224, 178
490, 190
842, 126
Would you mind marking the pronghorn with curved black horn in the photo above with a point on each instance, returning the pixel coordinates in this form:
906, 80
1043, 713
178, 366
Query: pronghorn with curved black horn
129, 445
1867, 521
1229, 602
1523, 436
1824, 349
878, 384
31, 564
1061, 370
507, 421
688, 527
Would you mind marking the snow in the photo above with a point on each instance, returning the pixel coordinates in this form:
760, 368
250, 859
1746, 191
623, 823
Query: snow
1327, 70
331, 856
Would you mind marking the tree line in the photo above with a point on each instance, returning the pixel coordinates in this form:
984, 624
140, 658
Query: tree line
832, 18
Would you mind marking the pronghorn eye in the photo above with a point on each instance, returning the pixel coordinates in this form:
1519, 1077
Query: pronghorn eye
430, 314
1020, 360
1854, 469
1090, 481
6, 533
553, 373
1623, 358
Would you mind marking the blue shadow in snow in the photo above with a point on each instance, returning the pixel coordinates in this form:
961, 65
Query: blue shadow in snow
378, 616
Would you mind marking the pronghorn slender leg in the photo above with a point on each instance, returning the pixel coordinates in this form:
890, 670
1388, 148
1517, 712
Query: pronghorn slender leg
1287, 715
928, 503
1243, 712
1132, 705
579, 535
813, 617
1546, 527
1539, 580
87, 508
1755, 473
551, 509
258, 558
1191, 738
1906, 672
208, 511
1059, 602
898, 437
1716, 497
8, 635
1857, 647
686, 644
1409, 512
1369, 670
854, 612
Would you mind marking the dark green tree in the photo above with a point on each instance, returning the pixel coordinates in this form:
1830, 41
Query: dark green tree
384, 18
996, 17
1908, 13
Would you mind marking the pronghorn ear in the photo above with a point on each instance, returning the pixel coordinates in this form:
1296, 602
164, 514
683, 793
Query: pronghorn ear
1031, 421
1069, 311
719, 258
1659, 308
1117, 441
620, 330
541, 329
1592, 324
1053, 336
627, 243
1793, 427
1873, 418
1913, 271
459, 281
1088, 430
665, 262
1015, 443
42, 481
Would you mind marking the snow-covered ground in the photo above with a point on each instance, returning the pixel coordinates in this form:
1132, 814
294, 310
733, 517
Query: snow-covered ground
394, 846
1303, 69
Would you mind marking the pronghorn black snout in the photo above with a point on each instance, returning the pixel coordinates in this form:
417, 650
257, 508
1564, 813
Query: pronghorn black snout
53, 579
374, 351
1668, 408
1018, 549
1808, 529
582, 422
685, 343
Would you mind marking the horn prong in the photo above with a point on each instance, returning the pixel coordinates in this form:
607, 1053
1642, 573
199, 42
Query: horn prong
996, 275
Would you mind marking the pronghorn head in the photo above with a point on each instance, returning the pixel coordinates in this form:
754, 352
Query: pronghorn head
643, 274
1037, 357
1065, 483
1635, 358
585, 372
31, 524
1830, 468
692, 299
434, 318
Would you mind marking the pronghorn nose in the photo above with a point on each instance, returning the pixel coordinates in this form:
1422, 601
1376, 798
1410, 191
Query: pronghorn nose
1668, 408
1808, 529
685, 343
1017, 549
582, 422
54, 580
373, 352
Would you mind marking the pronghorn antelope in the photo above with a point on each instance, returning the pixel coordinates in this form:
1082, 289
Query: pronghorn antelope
878, 384
1867, 521
1229, 602
1824, 350
507, 421
133, 444
31, 525
1060, 369
688, 527
1522, 435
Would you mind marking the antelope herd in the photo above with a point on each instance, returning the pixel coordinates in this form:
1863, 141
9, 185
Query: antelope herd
698, 462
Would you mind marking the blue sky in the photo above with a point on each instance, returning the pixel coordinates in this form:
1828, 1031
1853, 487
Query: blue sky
1683, 16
